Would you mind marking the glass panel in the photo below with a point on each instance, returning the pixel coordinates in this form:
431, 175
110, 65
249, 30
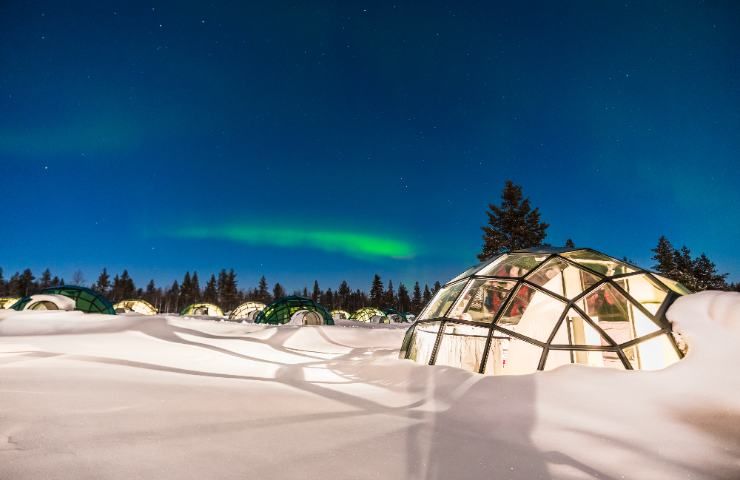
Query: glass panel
462, 346
532, 313
513, 265
421, 344
582, 333
481, 300
609, 309
653, 354
598, 262
442, 301
559, 276
511, 356
470, 271
673, 285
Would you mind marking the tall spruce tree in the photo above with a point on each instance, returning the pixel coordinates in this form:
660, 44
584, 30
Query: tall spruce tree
343, 293
263, 292
45, 280
569, 244
426, 296
665, 257
102, 284
404, 302
376, 292
316, 292
278, 291
513, 225
210, 293
416, 299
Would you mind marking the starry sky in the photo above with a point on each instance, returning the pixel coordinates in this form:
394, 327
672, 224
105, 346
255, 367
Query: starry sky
334, 140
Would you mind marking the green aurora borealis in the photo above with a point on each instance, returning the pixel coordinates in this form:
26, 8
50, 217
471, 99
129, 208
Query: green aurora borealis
352, 243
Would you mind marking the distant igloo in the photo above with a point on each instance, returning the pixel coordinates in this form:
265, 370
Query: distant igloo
370, 315
538, 309
247, 311
340, 315
202, 309
295, 311
83, 299
135, 306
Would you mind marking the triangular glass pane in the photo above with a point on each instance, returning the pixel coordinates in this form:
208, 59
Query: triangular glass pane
673, 285
616, 315
513, 265
532, 313
481, 300
598, 262
562, 278
646, 291
442, 301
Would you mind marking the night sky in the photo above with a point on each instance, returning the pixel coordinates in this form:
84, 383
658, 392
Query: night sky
333, 140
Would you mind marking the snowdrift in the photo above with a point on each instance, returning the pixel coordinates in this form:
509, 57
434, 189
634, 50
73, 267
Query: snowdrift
86, 396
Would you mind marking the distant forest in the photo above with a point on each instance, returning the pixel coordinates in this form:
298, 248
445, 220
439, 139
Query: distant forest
512, 225
223, 290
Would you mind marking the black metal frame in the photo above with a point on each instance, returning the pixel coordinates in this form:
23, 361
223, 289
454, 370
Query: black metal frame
659, 318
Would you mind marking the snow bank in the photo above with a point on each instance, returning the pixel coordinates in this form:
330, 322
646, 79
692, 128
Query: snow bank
102, 397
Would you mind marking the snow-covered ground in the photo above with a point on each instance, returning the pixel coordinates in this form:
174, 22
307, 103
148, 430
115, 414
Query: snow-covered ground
133, 397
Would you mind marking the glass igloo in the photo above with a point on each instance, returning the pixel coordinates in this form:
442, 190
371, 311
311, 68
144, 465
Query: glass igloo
538, 309
86, 300
295, 311
135, 305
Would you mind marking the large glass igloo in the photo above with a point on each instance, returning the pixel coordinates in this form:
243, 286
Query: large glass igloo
538, 309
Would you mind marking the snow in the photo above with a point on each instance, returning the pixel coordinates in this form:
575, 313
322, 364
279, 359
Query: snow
87, 396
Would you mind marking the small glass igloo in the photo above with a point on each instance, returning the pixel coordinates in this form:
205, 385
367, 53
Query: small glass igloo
538, 309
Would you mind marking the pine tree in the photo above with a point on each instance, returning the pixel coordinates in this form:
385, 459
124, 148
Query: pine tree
102, 285
427, 296
327, 299
706, 276
210, 293
263, 292
278, 291
45, 281
376, 292
389, 297
512, 226
3, 285
316, 292
343, 293
665, 258
404, 302
416, 299
569, 244
195, 288
437, 288
26, 284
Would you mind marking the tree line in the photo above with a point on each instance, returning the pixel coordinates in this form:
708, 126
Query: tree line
223, 290
515, 225
512, 225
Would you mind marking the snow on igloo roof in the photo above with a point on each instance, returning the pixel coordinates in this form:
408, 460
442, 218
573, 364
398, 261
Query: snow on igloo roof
537, 309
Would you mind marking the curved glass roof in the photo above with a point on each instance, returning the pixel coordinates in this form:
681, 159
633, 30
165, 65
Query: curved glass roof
86, 300
340, 315
281, 311
538, 309
203, 308
369, 314
396, 316
7, 302
135, 305
246, 311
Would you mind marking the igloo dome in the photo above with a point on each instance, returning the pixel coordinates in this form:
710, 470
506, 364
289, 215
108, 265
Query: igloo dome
538, 309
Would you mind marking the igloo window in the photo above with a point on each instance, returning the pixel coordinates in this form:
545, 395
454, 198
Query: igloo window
540, 309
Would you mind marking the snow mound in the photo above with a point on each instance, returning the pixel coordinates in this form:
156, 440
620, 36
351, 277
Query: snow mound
87, 396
